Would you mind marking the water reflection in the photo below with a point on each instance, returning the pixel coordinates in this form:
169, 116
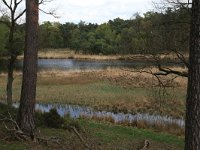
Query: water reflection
77, 111
73, 64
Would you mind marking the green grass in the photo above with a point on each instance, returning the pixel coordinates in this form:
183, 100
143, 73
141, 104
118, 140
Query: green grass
108, 136
101, 135
112, 133
12, 146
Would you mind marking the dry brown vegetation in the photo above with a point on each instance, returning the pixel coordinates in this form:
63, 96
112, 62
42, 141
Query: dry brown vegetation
123, 77
67, 53
116, 90
70, 54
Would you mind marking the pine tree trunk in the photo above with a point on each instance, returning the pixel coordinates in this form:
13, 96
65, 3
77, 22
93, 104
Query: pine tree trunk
192, 132
28, 93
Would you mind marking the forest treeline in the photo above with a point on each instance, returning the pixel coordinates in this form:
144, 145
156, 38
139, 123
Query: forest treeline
151, 32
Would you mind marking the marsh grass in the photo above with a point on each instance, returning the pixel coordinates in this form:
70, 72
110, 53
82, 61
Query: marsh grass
112, 90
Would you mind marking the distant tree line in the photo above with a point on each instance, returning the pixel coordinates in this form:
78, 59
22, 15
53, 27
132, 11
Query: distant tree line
151, 33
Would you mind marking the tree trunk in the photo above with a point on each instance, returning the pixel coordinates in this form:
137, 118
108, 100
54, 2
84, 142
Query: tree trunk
28, 92
11, 62
10, 79
192, 132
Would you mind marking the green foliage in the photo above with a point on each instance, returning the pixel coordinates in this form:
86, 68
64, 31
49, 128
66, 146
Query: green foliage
53, 119
50, 35
40, 119
3, 38
19, 39
5, 110
153, 33
12, 146
75, 39
70, 123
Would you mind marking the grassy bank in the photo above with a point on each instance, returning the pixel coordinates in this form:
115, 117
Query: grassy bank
104, 136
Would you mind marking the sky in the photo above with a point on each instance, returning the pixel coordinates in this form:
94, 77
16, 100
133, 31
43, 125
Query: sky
94, 11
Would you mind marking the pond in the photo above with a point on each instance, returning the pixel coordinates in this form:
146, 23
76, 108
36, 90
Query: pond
76, 111
73, 64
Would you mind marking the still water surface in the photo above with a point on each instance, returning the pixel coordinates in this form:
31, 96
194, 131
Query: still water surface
76, 111
73, 64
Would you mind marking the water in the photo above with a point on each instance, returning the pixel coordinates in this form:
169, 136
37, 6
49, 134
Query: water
73, 64
76, 111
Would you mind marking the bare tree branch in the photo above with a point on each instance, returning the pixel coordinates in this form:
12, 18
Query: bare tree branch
167, 71
21, 14
4, 1
14, 5
44, 1
182, 58
163, 71
51, 12
174, 4
17, 3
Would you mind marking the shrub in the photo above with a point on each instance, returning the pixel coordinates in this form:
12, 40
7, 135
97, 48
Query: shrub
39, 119
53, 119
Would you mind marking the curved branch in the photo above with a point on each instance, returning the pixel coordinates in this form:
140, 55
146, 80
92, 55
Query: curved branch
52, 12
4, 1
167, 71
21, 14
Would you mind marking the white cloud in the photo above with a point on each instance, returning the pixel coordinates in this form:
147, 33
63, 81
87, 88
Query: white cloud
95, 11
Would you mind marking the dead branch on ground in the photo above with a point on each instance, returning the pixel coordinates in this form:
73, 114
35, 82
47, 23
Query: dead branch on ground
146, 145
80, 137
15, 133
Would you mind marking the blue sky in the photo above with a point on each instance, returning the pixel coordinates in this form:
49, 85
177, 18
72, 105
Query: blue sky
94, 11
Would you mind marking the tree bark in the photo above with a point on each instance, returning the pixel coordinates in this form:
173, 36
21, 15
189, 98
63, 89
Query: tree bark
11, 62
28, 92
10, 79
192, 132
